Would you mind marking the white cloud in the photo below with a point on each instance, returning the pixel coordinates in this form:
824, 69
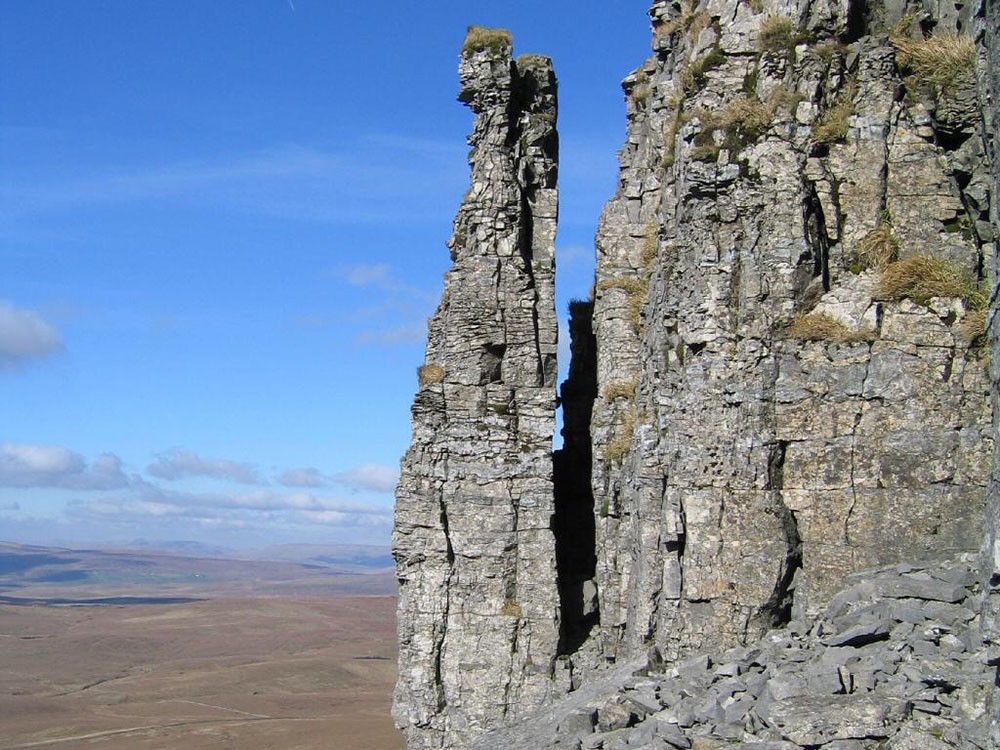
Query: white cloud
27, 465
24, 334
308, 477
371, 476
380, 276
178, 463
261, 508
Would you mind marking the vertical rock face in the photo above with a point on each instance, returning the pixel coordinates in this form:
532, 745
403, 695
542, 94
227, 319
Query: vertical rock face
989, 29
774, 414
781, 380
473, 541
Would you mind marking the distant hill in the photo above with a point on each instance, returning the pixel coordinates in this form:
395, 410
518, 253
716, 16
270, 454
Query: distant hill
29, 571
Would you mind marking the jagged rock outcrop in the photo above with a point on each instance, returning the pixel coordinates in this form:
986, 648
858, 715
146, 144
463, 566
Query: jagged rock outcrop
989, 34
894, 662
780, 382
478, 600
775, 415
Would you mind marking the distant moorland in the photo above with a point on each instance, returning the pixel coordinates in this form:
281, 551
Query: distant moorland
212, 652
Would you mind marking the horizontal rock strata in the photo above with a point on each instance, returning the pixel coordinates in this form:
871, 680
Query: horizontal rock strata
773, 415
780, 383
473, 542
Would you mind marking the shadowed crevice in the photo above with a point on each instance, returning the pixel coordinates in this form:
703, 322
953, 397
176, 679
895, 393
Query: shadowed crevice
574, 525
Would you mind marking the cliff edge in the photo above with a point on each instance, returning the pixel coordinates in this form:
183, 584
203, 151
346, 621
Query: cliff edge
778, 436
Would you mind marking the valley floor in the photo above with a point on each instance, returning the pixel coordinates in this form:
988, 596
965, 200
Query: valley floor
293, 673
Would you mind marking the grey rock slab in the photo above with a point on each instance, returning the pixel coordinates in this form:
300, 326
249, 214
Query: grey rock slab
914, 738
908, 587
809, 720
861, 634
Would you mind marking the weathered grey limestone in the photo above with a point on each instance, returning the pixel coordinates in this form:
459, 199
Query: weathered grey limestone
989, 31
895, 661
473, 542
741, 468
757, 413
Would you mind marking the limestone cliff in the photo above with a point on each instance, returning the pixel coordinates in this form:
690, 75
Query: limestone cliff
779, 383
478, 601
989, 34
775, 414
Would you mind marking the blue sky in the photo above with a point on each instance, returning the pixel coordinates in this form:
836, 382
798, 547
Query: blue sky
222, 229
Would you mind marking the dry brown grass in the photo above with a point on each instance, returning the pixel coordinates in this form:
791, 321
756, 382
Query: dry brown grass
923, 277
631, 284
636, 288
826, 50
823, 327
670, 132
972, 328
511, 608
693, 76
785, 98
690, 20
648, 252
940, 59
776, 35
429, 374
743, 120
621, 389
878, 248
479, 38
833, 124
744, 113
618, 446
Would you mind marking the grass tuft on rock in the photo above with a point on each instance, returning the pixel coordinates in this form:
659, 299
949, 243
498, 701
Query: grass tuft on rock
621, 389
429, 374
972, 328
479, 38
637, 289
879, 248
832, 125
939, 60
776, 35
689, 20
743, 121
824, 327
648, 252
511, 608
922, 277
617, 447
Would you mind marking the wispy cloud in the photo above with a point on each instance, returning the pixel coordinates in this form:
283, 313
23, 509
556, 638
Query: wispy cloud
253, 509
307, 477
371, 476
365, 274
24, 335
178, 463
138, 506
402, 309
568, 255
26, 465
381, 276
360, 183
